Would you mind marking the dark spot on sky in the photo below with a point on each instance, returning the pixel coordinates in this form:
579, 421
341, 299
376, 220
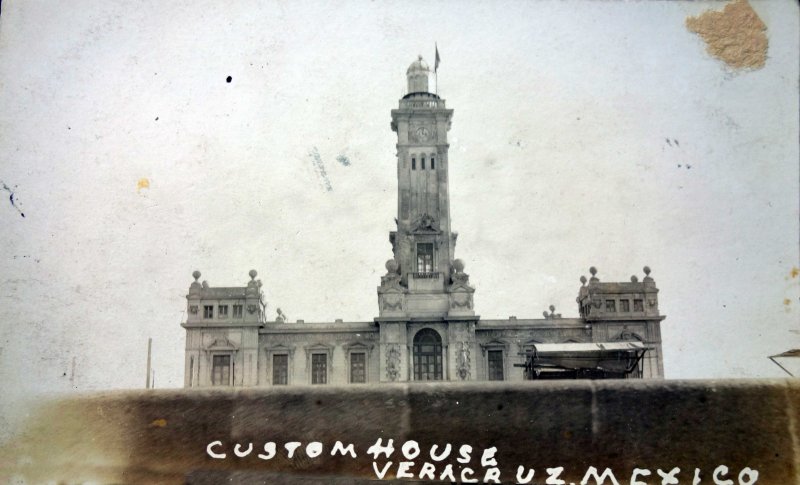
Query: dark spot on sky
343, 160
228, 79
156, 118
11, 198
319, 167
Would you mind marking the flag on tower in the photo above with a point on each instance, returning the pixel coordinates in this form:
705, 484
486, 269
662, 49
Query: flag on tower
436, 62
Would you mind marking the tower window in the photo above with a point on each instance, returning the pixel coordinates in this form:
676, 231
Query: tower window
423, 164
413, 164
208, 311
222, 311
624, 305
638, 305
425, 257
611, 306
433, 163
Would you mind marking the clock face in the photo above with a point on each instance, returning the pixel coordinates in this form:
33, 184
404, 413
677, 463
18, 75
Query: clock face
423, 134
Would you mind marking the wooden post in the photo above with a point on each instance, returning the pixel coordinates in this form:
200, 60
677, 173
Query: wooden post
149, 349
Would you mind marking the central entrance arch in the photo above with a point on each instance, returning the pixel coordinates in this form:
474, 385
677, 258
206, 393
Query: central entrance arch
427, 355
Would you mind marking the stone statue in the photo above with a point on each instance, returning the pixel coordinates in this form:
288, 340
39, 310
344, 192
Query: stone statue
462, 368
393, 362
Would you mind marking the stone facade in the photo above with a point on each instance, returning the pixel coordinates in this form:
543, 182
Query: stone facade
426, 329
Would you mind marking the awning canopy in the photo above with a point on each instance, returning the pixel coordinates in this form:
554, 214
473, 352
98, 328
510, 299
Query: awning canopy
606, 356
591, 347
789, 361
788, 353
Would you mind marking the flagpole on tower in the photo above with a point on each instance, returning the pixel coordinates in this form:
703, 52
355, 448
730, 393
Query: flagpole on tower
436, 68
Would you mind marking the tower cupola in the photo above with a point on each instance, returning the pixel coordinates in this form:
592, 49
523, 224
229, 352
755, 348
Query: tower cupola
418, 76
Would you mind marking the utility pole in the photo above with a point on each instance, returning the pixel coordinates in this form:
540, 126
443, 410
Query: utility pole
149, 349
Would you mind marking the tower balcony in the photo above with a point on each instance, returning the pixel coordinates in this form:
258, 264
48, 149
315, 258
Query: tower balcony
422, 101
425, 281
426, 276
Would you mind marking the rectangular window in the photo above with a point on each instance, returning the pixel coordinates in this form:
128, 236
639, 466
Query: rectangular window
425, 257
191, 371
208, 311
358, 367
495, 360
423, 164
433, 163
223, 311
237, 311
624, 305
221, 370
280, 370
611, 306
638, 305
413, 164
319, 368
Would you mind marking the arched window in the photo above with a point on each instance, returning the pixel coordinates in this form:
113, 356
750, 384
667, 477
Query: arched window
413, 163
423, 164
427, 355
433, 163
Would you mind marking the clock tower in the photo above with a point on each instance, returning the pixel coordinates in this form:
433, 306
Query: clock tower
424, 279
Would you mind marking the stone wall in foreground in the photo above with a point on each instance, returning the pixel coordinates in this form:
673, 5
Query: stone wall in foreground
731, 429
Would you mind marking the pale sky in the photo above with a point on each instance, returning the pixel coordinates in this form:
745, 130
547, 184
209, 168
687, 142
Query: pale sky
559, 160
